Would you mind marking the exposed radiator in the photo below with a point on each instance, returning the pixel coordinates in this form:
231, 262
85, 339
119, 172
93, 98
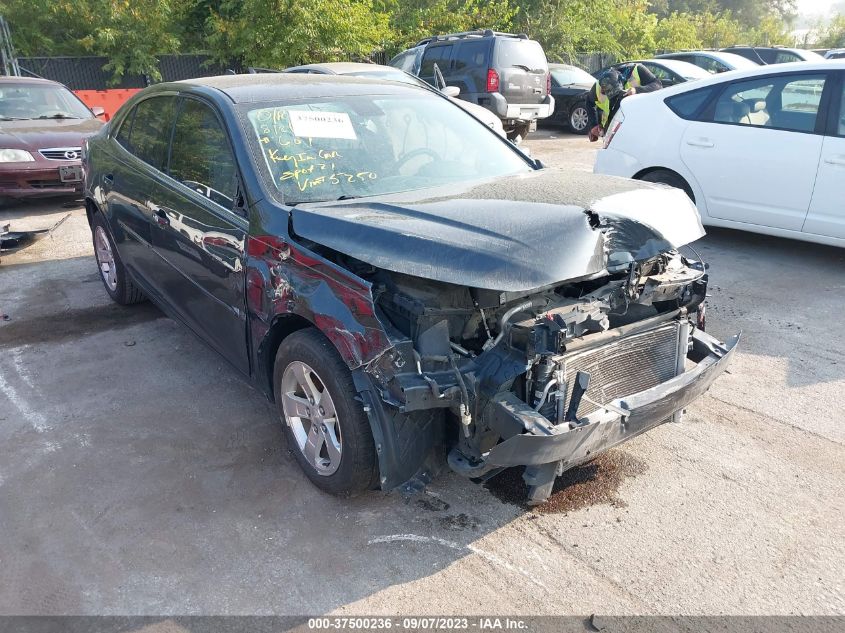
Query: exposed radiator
626, 366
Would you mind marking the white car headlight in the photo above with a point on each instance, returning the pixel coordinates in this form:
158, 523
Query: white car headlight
15, 156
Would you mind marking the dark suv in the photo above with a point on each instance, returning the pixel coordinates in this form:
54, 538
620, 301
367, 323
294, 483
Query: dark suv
507, 74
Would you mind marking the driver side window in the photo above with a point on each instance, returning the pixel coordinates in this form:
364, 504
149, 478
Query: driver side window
200, 156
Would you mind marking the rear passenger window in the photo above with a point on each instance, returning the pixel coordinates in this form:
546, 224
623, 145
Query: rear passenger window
472, 55
435, 54
841, 122
151, 130
689, 104
789, 102
785, 57
200, 157
122, 136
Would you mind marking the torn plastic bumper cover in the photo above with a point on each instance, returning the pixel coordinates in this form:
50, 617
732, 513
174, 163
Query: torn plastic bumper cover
567, 445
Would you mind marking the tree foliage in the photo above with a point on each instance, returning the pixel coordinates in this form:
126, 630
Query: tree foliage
278, 33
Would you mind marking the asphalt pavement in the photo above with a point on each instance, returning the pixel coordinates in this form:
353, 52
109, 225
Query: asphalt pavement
139, 474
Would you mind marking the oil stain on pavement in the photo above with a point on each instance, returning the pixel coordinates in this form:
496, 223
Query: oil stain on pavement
593, 483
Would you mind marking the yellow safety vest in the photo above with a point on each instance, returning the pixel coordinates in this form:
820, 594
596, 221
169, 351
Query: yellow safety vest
602, 100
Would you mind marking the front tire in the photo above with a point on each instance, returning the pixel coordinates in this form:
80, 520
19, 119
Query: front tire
579, 119
120, 287
326, 427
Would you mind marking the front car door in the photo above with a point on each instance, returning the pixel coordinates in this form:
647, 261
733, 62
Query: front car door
200, 230
827, 208
737, 152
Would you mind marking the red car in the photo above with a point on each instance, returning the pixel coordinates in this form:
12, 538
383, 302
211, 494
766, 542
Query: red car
42, 129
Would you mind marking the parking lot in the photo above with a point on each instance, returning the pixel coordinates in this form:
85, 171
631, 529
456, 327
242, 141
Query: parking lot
140, 475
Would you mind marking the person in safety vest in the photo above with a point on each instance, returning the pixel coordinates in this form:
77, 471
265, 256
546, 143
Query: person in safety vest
612, 86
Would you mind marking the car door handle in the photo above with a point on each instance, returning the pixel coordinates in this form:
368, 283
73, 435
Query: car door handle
108, 179
701, 142
835, 160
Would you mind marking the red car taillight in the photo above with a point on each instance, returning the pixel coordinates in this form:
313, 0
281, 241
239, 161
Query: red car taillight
615, 124
548, 83
492, 80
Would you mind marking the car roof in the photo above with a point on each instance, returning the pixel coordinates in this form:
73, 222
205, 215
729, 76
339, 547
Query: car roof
271, 87
751, 73
730, 58
344, 68
566, 67
28, 80
680, 67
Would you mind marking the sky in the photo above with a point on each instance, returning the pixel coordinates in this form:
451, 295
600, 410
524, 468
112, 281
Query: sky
813, 7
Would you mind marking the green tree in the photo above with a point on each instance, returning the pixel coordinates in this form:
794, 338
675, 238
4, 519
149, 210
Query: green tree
279, 33
830, 35
412, 20
130, 33
675, 32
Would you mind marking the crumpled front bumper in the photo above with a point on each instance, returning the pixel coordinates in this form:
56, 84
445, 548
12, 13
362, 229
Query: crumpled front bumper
566, 446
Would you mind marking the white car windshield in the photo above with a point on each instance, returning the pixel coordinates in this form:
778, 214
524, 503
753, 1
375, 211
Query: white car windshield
354, 146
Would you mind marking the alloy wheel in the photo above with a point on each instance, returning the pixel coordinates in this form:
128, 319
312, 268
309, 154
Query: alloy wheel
311, 415
105, 258
579, 120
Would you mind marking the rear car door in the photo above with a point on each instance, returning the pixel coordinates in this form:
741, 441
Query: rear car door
827, 208
522, 69
755, 155
141, 150
440, 54
200, 230
468, 70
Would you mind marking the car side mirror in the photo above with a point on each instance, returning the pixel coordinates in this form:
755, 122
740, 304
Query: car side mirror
99, 112
451, 91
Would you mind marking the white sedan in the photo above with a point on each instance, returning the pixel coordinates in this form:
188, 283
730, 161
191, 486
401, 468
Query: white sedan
760, 150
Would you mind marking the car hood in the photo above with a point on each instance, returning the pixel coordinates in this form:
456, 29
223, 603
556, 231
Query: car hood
41, 133
514, 234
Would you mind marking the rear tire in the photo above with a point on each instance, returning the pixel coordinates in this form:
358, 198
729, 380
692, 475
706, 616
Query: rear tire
670, 178
326, 427
579, 119
117, 283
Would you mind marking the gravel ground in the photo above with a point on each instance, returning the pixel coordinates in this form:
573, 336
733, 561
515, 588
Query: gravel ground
140, 475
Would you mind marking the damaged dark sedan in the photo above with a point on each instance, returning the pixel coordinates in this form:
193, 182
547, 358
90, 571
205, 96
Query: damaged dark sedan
404, 284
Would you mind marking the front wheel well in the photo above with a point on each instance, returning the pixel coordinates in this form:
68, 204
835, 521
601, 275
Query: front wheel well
283, 326
682, 182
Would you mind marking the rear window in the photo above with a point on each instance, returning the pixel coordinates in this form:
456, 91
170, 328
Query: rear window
689, 104
520, 53
569, 76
